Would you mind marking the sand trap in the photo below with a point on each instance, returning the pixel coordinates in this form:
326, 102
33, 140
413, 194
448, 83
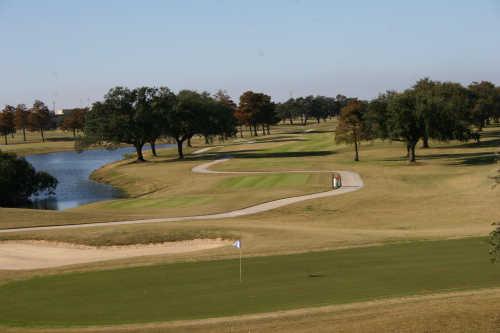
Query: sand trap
19, 255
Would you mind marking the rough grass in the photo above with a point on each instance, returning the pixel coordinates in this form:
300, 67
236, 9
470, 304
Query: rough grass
211, 289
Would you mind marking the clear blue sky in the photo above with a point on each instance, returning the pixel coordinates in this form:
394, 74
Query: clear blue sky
74, 51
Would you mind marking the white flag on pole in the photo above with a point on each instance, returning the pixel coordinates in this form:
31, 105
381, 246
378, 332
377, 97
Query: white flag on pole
237, 244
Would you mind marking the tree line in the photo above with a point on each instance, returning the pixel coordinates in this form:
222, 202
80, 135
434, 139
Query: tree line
430, 109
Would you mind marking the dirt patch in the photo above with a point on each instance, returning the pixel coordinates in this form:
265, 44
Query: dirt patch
23, 255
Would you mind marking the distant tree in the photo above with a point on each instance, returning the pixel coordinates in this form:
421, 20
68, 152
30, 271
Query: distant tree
403, 122
188, 117
19, 180
484, 102
22, 117
40, 118
257, 109
319, 108
162, 105
7, 122
351, 126
288, 110
75, 120
125, 116
223, 108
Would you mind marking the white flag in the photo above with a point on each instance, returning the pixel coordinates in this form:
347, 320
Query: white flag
237, 244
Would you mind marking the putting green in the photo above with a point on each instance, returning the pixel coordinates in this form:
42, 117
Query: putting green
210, 289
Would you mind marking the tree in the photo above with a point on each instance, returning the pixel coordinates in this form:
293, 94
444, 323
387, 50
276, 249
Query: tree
19, 180
188, 117
163, 103
288, 110
351, 127
257, 109
224, 115
22, 117
484, 102
125, 116
403, 122
39, 118
74, 120
7, 122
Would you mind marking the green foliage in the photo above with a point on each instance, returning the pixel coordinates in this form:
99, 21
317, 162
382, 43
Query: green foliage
19, 180
484, 102
256, 109
7, 122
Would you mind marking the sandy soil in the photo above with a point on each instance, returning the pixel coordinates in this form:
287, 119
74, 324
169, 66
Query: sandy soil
22, 255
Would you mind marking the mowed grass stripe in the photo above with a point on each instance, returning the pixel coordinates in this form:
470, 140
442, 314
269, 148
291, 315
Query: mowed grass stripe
265, 181
211, 289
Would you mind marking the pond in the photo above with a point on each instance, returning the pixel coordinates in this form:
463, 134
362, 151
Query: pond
73, 170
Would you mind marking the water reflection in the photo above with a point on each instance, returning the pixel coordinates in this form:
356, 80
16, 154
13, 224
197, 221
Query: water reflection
72, 170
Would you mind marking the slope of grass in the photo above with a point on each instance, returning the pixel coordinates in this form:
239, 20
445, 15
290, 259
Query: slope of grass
208, 289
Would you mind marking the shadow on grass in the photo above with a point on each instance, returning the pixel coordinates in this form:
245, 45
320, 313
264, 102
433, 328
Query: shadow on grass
249, 153
480, 158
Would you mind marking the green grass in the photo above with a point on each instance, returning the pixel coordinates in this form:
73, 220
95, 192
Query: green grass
210, 289
265, 181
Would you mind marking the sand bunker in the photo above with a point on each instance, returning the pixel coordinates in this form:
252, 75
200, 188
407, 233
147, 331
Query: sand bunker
19, 255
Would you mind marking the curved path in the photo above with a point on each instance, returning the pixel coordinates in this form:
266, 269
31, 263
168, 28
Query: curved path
351, 181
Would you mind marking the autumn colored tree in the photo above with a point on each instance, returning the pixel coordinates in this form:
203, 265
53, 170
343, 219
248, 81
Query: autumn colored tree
257, 109
7, 122
39, 118
75, 120
351, 127
21, 119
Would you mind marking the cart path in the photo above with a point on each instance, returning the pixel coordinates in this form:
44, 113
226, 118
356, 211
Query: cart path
351, 181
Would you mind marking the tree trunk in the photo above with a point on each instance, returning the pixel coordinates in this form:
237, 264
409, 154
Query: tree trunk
138, 149
411, 152
74, 132
356, 151
425, 140
5, 137
24, 134
153, 148
268, 129
179, 148
291, 120
206, 139
189, 142
318, 119
255, 130
41, 132
263, 129
241, 131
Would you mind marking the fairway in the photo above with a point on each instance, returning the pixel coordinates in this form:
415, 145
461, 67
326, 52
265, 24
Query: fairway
211, 289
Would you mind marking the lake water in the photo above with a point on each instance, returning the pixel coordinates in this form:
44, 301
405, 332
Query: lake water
72, 170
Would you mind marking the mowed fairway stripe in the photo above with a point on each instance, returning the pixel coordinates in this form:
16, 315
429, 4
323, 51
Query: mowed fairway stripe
212, 289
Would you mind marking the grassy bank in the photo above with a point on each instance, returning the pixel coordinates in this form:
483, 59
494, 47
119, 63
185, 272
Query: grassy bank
208, 289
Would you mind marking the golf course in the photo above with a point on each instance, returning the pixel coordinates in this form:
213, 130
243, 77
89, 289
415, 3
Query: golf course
394, 236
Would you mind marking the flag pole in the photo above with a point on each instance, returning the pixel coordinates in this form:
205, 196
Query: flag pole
240, 265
